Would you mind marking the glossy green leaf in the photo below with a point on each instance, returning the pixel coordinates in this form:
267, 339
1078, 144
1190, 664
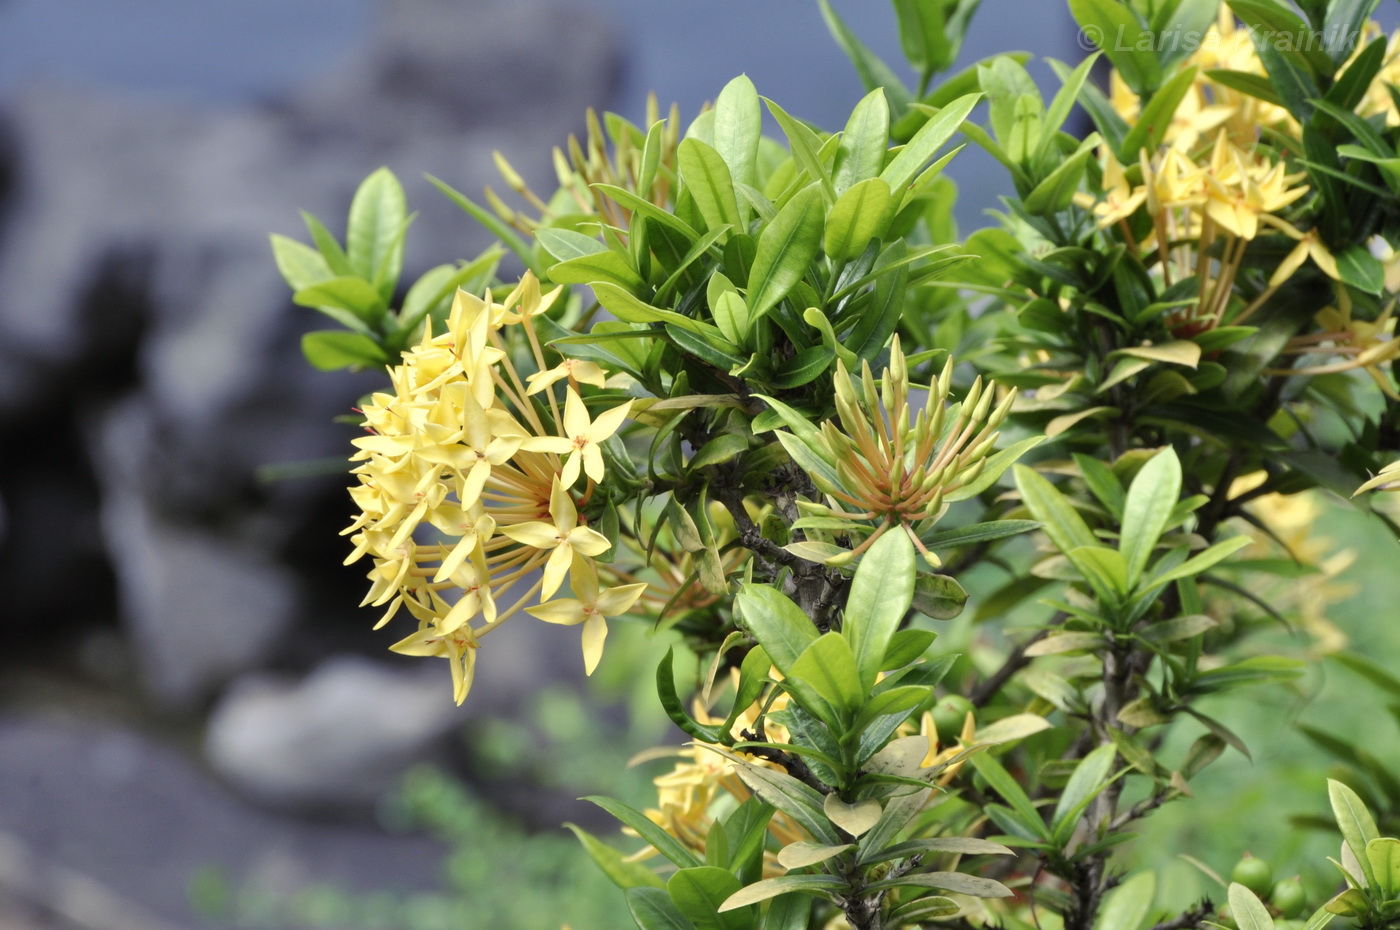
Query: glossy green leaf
663, 842
738, 128
1146, 510
700, 892
939, 597
374, 235
1357, 826
627, 307
708, 179
864, 142
956, 882
621, 871
1247, 910
333, 349
1203, 562
301, 266
1000, 781
856, 218
786, 249
1090, 777
1112, 27
607, 266
1383, 854
778, 624
355, 296
1063, 524
653, 909
880, 595
828, 668
919, 150
1151, 127
787, 794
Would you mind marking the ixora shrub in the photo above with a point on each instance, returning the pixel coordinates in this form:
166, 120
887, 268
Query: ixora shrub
756, 392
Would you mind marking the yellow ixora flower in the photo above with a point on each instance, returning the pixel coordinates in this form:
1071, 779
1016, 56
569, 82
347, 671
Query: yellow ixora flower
562, 539
585, 435
591, 607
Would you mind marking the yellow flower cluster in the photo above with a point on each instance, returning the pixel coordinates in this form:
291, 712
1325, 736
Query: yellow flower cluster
467, 487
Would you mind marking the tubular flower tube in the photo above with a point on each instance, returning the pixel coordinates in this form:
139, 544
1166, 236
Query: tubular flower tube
463, 496
892, 468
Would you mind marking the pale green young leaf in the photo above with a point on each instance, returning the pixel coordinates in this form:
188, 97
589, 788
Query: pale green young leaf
732, 316
707, 178
1000, 781
301, 266
1357, 826
1383, 853
1060, 107
919, 150
956, 882
355, 296
1203, 562
1063, 524
738, 128
1104, 569
786, 249
864, 142
800, 802
828, 667
333, 349
565, 244
880, 595
373, 237
800, 855
1148, 507
806, 148
1247, 910
857, 217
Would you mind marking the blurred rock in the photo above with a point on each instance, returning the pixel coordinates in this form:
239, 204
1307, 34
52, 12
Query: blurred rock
337, 739
103, 828
142, 309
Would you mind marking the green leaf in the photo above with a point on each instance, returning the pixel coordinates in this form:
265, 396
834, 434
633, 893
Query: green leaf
939, 597
355, 296
493, 223
622, 872
1254, 85
806, 148
880, 595
625, 198
707, 178
779, 625
897, 700
629, 308
1181, 628
956, 882
374, 236
1000, 781
662, 841
1148, 507
301, 266
978, 533
1128, 906
828, 669
1103, 483
787, 794
565, 244
738, 127
1383, 854
866, 139
732, 316
1060, 107
786, 249
700, 892
1354, 821
1114, 28
327, 245
653, 909
855, 219
819, 885
752, 675
607, 266
919, 150
1063, 524
436, 285
671, 703
1090, 777
1362, 270
1054, 194
789, 911
927, 908
1203, 562
1270, 19
907, 647
1247, 910
873, 72
332, 349
959, 845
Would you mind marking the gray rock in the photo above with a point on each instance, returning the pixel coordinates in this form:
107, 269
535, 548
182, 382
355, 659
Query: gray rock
337, 739
105, 828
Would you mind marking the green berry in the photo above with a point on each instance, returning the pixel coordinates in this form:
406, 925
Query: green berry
1254, 874
1288, 896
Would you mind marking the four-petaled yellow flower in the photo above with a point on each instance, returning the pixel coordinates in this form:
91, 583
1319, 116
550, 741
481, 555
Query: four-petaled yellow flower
564, 537
591, 607
584, 438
